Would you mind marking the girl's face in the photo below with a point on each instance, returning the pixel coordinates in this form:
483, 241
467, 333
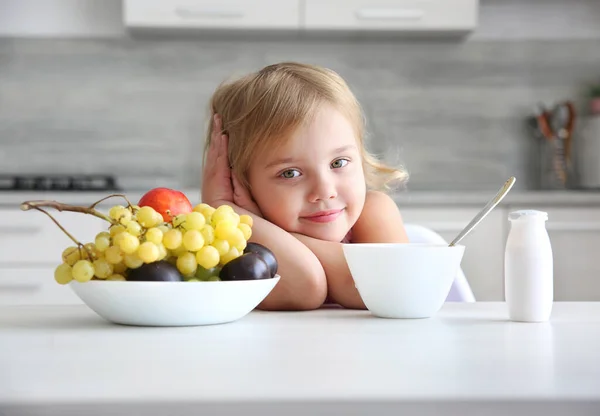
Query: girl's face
313, 184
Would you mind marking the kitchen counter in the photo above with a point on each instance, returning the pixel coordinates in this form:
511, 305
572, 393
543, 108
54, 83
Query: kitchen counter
467, 360
12, 199
407, 198
514, 197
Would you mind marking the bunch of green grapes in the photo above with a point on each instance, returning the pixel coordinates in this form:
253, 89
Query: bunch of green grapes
198, 243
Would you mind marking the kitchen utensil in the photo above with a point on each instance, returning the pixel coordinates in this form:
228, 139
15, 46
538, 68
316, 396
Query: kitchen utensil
558, 123
555, 126
547, 155
569, 128
486, 210
542, 117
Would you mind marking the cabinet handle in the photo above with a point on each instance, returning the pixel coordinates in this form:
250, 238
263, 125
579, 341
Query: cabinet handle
19, 287
573, 226
195, 13
372, 13
13, 229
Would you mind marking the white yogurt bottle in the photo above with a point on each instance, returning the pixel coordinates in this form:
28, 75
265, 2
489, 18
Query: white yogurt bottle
528, 267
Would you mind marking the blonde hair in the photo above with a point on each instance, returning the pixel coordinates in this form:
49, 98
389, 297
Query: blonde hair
261, 110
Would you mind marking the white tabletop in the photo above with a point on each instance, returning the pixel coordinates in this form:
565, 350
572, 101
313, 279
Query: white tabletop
467, 358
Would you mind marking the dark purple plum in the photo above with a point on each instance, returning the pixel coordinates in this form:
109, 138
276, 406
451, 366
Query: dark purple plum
249, 266
158, 271
265, 253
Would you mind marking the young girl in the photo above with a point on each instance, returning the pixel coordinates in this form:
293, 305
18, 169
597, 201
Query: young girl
286, 146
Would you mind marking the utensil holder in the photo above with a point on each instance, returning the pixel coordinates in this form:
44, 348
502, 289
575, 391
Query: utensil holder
554, 164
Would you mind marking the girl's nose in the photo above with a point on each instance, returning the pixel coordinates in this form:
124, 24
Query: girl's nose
323, 188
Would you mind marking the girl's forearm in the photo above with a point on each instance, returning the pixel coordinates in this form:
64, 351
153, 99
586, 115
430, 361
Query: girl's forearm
302, 285
340, 284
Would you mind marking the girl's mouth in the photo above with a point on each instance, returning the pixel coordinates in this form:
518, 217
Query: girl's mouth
324, 216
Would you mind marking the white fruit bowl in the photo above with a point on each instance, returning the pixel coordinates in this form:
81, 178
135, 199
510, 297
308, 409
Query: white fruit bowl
173, 303
403, 280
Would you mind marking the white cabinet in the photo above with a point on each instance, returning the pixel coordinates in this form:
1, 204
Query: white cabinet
575, 237
30, 237
412, 15
305, 15
212, 14
60, 18
30, 249
483, 262
33, 285
574, 234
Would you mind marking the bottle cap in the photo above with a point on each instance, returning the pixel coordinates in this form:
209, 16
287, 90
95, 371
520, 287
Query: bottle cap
526, 214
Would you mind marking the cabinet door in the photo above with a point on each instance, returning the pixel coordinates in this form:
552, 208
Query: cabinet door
391, 14
483, 262
213, 14
30, 249
33, 286
31, 238
575, 237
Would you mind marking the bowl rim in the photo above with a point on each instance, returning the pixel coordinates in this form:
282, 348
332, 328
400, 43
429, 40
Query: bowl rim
163, 283
403, 245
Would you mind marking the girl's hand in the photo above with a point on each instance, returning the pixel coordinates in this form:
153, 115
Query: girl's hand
216, 174
242, 198
219, 184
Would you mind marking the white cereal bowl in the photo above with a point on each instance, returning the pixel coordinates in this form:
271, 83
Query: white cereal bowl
173, 303
403, 280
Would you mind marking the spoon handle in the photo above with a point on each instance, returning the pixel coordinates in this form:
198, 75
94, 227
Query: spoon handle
488, 207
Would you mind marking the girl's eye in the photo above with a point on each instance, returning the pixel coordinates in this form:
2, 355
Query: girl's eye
339, 163
290, 173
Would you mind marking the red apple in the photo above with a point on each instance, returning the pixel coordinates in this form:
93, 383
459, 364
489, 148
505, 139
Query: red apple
167, 202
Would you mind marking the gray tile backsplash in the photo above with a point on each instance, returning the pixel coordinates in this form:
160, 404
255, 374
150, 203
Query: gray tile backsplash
452, 112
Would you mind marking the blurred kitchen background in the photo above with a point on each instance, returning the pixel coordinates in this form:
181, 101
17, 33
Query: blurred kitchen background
83, 91
113, 94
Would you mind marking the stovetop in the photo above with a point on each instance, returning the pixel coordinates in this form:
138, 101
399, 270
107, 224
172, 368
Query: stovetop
60, 183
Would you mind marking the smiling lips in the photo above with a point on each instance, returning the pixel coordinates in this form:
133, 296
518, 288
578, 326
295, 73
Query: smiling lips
324, 216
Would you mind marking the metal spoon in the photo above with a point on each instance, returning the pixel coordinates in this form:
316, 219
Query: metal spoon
486, 210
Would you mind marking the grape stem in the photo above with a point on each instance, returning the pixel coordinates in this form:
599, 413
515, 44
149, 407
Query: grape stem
59, 206
79, 244
38, 205
112, 196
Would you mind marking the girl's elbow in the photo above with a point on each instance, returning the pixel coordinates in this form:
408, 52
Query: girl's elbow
310, 295
316, 291
313, 293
